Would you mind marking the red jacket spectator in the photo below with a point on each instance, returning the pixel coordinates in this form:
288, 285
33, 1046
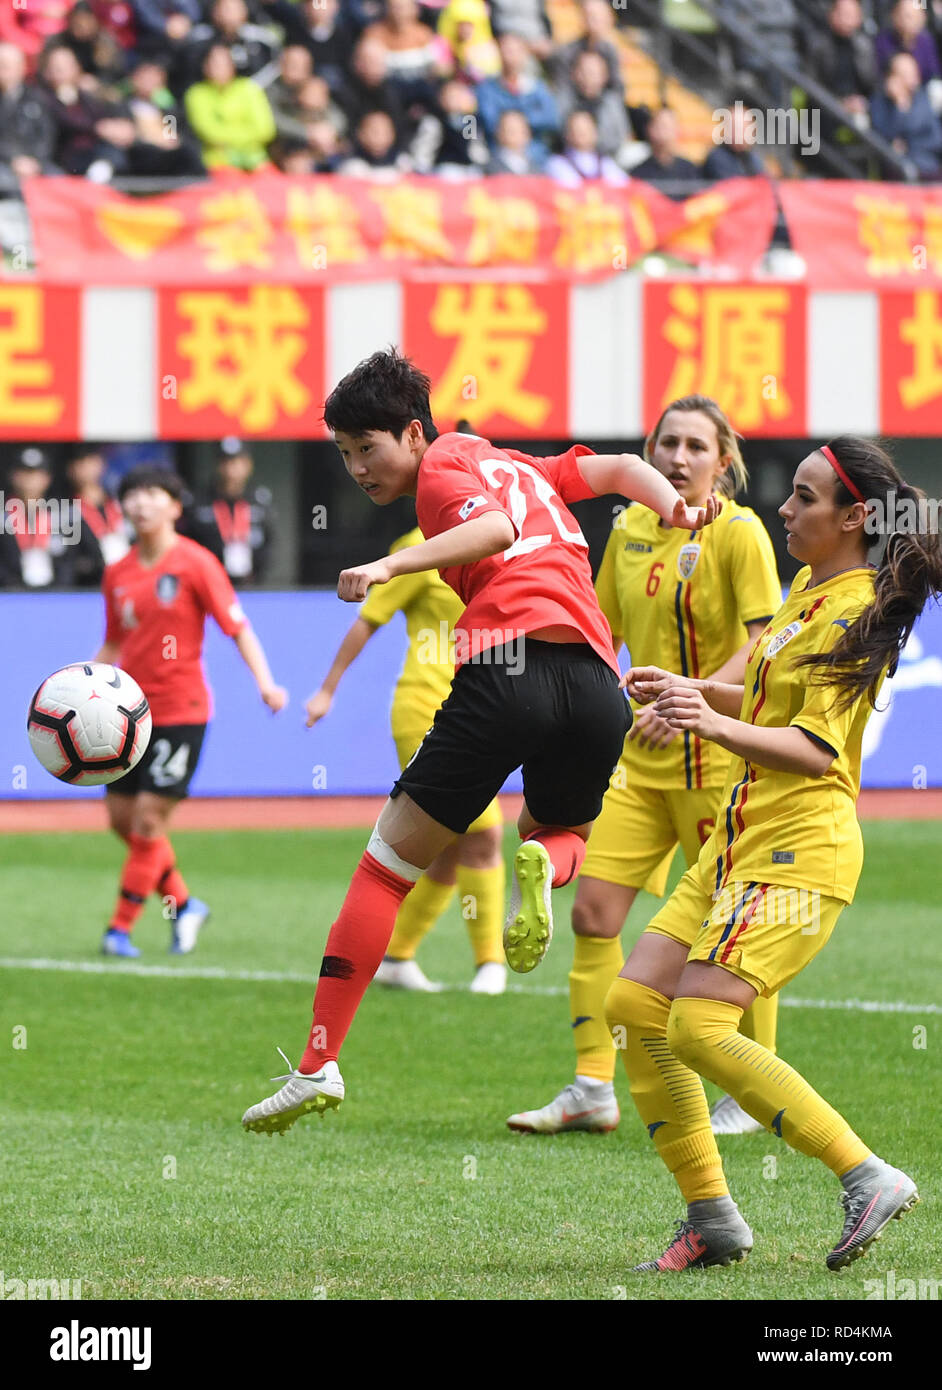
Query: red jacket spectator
117, 16
30, 28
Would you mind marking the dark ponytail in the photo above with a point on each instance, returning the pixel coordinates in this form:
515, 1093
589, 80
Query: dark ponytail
909, 575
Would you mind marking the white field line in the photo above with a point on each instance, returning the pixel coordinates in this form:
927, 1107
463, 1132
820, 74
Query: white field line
287, 977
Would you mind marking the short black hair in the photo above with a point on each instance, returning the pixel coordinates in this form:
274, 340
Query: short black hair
148, 476
384, 392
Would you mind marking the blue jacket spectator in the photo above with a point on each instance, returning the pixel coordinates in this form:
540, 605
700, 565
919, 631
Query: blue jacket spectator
517, 90
159, 19
902, 115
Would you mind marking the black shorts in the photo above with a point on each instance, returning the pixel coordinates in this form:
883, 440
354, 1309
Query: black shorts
553, 708
167, 767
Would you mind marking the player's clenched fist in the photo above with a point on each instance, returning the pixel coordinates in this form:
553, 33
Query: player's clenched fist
353, 584
275, 697
683, 708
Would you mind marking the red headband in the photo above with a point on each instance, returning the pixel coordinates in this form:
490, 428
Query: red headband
852, 488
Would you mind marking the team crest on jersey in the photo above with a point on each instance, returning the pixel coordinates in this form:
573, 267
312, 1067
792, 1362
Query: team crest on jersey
473, 502
168, 586
687, 560
781, 639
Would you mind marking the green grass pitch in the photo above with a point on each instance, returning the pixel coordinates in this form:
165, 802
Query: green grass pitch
125, 1165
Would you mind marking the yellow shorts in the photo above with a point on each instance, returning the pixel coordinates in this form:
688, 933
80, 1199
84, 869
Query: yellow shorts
407, 739
639, 828
761, 932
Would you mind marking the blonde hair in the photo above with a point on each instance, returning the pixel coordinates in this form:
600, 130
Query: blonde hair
736, 476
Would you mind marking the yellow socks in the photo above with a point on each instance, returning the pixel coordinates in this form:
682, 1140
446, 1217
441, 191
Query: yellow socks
760, 1022
418, 914
704, 1034
669, 1096
596, 962
481, 900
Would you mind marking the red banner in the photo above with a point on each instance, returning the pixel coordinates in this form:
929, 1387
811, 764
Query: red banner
743, 345
911, 362
241, 361
39, 362
497, 354
866, 235
237, 230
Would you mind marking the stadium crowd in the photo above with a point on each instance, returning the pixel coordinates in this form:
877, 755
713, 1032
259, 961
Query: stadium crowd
375, 88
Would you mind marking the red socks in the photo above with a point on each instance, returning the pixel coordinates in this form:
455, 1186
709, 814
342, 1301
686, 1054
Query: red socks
355, 947
565, 848
145, 863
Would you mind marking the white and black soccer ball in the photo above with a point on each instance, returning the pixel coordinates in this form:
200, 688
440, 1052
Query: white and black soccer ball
89, 724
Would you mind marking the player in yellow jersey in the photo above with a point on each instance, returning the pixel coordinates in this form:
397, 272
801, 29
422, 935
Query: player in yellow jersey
785, 857
683, 601
475, 860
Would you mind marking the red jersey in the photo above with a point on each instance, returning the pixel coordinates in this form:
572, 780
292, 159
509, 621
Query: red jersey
156, 616
544, 578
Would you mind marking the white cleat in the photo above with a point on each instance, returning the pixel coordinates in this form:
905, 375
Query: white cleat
592, 1108
528, 929
490, 978
728, 1117
186, 928
299, 1096
404, 974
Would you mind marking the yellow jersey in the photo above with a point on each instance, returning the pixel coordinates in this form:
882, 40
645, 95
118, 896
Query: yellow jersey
681, 600
431, 608
782, 827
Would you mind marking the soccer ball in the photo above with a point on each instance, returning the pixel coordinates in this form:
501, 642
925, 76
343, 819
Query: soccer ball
89, 724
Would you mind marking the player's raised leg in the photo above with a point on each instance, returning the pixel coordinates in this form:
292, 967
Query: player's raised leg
550, 857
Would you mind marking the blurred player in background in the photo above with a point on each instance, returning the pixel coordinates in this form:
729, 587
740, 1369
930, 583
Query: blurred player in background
536, 680
783, 861
105, 535
157, 600
32, 550
236, 522
688, 603
475, 860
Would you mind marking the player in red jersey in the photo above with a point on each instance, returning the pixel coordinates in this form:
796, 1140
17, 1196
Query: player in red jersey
157, 599
536, 681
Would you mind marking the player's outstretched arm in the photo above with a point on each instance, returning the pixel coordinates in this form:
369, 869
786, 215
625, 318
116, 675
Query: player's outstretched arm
357, 636
631, 476
646, 683
251, 651
780, 750
461, 545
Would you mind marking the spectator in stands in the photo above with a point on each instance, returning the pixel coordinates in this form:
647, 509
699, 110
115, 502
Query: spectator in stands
229, 114
901, 113
599, 37
104, 536
513, 149
165, 24
587, 89
30, 27
907, 33
326, 147
164, 146
376, 150
774, 25
295, 66
517, 89
582, 159
98, 52
319, 26
369, 88
842, 59
409, 44
664, 165
92, 135
448, 139
27, 128
32, 550
465, 47
235, 520
526, 18
251, 46
316, 105
736, 156
118, 19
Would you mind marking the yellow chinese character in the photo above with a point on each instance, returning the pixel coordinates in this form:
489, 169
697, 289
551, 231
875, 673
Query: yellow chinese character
731, 346
236, 231
243, 354
924, 332
888, 234
592, 229
21, 338
505, 229
325, 227
412, 223
701, 213
495, 326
